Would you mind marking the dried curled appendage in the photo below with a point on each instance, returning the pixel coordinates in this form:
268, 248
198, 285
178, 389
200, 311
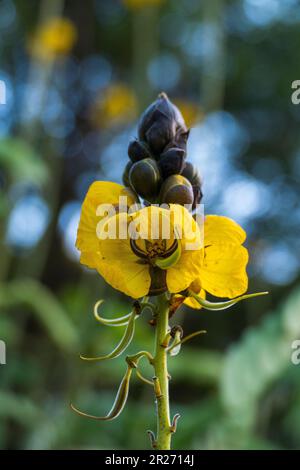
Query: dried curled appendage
128, 320
119, 403
118, 321
123, 344
122, 394
222, 305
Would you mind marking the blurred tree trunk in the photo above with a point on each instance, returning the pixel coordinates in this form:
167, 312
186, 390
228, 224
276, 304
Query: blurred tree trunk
213, 75
145, 44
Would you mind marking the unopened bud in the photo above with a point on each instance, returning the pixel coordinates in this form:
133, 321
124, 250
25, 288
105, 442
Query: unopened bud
125, 176
144, 177
138, 150
192, 174
172, 162
162, 124
176, 190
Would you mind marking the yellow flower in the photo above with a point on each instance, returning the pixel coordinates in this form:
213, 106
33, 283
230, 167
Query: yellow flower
55, 37
165, 256
223, 271
116, 105
137, 4
154, 260
190, 112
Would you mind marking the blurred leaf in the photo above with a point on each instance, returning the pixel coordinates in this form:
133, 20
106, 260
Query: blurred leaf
45, 306
260, 358
197, 366
8, 330
21, 161
19, 408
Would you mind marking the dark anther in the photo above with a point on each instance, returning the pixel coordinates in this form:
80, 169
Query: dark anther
170, 250
136, 250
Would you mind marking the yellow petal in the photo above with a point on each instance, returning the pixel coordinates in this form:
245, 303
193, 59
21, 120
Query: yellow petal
92, 213
119, 266
89, 259
186, 270
219, 229
223, 273
186, 227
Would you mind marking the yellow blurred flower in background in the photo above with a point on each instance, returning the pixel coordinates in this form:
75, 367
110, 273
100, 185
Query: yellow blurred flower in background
191, 113
137, 4
53, 38
116, 105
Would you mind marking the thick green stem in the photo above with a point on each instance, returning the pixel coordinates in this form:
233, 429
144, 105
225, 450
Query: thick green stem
163, 440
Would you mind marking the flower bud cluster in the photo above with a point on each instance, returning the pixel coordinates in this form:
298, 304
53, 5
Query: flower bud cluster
157, 170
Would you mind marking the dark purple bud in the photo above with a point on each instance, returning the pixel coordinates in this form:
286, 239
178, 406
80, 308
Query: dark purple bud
159, 135
177, 190
161, 124
191, 173
145, 179
125, 177
181, 139
138, 150
172, 162
198, 195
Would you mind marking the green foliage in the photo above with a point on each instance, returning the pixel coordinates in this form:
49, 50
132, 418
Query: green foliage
44, 305
21, 161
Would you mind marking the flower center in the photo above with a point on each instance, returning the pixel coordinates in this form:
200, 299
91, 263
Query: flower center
156, 253
155, 249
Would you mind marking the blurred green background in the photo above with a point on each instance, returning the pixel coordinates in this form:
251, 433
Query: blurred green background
74, 90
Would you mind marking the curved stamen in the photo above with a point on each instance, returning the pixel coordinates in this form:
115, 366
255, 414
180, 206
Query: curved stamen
136, 250
170, 250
